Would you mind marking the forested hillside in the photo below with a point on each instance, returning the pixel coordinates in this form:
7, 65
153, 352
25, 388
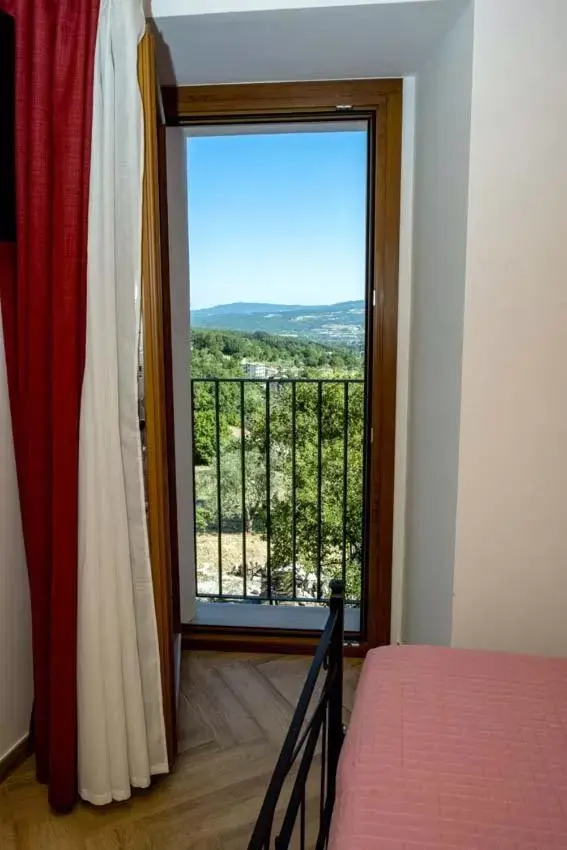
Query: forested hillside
290, 456
341, 324
220, 354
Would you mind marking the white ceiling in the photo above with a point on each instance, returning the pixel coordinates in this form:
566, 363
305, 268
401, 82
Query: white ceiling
333, 42
176, 8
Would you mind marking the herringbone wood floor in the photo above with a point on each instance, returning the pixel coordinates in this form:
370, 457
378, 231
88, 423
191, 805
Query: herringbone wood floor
234, 712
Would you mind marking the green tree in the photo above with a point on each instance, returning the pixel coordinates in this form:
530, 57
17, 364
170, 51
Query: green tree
330, 534
328, 515
220, 354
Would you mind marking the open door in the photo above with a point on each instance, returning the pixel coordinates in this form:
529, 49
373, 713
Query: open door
160, 490
290, 228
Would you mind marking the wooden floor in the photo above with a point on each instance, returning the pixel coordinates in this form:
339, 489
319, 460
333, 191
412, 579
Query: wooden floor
234, 712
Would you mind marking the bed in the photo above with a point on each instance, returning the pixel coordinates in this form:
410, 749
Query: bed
446, 748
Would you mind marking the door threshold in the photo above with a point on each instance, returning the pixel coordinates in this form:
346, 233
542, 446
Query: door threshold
253, 641
244, 615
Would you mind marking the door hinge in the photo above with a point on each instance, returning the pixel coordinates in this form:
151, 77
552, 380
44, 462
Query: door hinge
374, 298
372, 435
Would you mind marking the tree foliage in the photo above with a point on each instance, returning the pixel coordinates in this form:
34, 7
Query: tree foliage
315, 500
219, 354
323, 488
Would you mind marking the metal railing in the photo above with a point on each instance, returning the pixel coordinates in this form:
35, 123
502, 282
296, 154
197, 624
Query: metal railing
210, 397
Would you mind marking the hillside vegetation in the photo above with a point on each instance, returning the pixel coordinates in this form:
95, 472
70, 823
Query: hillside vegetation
220, 354
307, 486
331, 323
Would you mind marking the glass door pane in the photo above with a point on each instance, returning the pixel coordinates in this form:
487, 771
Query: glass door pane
278, 268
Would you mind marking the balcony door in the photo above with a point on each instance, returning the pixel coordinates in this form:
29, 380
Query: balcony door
292, 199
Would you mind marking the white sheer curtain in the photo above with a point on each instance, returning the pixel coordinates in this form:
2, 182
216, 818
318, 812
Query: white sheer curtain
120, 712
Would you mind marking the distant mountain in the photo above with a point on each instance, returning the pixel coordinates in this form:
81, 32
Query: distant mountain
244, 308
328, 323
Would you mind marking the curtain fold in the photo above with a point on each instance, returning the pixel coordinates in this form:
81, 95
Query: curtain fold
43, 305
121, 722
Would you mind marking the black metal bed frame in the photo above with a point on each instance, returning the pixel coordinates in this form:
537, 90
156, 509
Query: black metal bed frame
301, 743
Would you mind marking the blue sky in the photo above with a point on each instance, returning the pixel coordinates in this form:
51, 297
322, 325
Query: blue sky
278, 218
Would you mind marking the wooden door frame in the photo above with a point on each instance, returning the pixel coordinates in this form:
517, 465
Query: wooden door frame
160, 487
382, 101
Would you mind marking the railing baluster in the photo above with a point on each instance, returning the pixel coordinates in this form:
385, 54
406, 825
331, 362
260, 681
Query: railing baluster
319, 486
302, 821
243, 481
294, 487
335, 731
323, 769
268, 496
194, 486
214, 386
345, 479
219, 499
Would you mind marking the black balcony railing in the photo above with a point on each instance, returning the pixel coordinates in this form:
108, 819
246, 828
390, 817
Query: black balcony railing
278, 493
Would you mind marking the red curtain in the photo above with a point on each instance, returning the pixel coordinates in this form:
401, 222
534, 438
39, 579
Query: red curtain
45, 324
7, 163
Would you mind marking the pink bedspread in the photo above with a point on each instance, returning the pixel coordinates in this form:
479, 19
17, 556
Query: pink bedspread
455, 749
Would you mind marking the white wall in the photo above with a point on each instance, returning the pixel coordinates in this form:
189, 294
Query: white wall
485, 551
320, 42
511, 556
16, 688
439, 259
